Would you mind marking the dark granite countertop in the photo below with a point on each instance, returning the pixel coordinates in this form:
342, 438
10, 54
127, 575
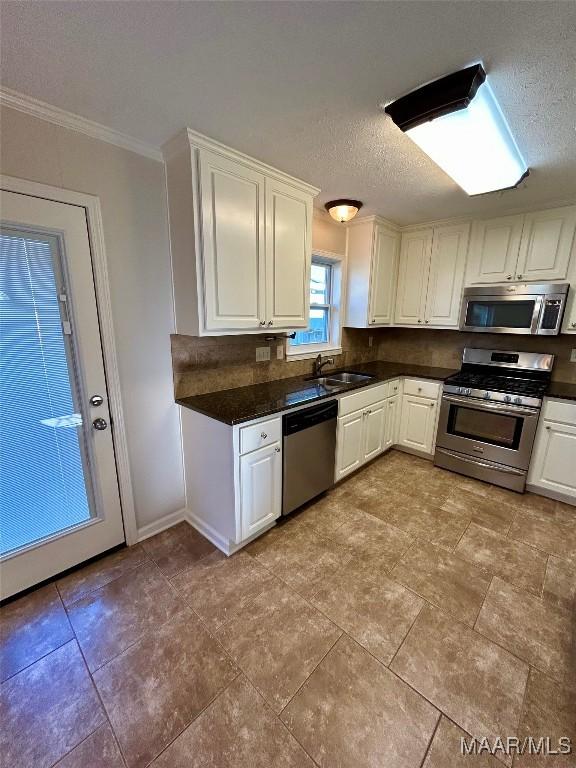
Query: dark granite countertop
235, 406
561, 389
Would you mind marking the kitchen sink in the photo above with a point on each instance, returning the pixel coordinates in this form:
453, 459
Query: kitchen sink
336, 380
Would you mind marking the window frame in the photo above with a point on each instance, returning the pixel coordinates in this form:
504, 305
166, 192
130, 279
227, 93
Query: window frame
333, 346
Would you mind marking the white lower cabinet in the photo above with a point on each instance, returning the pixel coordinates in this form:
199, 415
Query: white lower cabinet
260, 488
553, 465
374, 430
391, 421
418, 423
350, 443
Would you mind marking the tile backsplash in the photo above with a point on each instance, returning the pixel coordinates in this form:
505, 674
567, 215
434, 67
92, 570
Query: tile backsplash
444, 348
212, 363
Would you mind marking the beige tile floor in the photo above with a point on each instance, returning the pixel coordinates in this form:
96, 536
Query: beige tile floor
407, 608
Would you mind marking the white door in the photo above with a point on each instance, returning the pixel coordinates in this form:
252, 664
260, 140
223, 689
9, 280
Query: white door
413, 276
417, 423
383, 275
447, 265
260, 488
232, 203
374, 430
546, 244
59, 500
350, 450
288, 255
494, 248
553, 464
391, 421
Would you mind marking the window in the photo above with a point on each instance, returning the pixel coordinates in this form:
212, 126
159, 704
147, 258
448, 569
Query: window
323, 332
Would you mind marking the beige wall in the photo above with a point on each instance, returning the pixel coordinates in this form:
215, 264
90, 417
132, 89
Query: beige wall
327, 234
131, 189
444, 348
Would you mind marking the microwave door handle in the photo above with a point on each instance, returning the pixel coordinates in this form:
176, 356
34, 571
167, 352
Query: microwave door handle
537, 315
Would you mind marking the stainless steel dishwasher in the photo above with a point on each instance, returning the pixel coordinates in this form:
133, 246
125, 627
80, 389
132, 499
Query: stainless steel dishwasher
309, 437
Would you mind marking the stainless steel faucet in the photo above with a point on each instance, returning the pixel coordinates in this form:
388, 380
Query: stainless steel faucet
319, 364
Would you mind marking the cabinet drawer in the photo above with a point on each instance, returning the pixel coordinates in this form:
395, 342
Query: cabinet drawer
362, 399
561, 411
421, 388
259, 435
393, 388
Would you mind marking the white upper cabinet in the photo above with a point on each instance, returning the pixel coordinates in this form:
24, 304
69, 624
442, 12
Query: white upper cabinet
528, 247
415, 251
494, 250
288, 246
547, 238
241, 240
371, 276
431, 276
446, 280
232, 202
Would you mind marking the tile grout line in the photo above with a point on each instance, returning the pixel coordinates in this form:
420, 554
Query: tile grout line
429, 746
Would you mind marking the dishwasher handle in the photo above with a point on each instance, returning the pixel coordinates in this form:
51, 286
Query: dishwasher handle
309, 417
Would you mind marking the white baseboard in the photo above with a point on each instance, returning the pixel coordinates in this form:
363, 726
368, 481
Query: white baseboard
223, 544
414, 452
161, 524
556, 495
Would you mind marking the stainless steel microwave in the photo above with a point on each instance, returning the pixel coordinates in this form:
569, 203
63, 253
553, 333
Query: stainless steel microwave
530, 309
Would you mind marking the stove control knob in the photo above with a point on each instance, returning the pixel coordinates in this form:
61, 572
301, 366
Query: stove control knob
487, 395
518, 400
507, 399
468, 392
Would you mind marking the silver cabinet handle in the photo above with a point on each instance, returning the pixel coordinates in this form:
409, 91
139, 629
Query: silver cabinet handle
96, 400
100, 424
263, 435
277, 450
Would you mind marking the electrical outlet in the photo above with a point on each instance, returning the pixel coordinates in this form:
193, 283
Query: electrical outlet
280, 352
262, 354
370, 340
573, 356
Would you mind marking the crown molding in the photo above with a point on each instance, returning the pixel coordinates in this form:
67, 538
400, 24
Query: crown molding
57, 116
374, 219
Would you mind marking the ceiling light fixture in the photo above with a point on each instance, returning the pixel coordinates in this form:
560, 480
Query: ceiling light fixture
457, 121
343, 210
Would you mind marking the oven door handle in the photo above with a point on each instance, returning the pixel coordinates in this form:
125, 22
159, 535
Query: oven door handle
480, 463
486, 405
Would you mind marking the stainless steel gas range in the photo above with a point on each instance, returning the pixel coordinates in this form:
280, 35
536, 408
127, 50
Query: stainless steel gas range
489, 414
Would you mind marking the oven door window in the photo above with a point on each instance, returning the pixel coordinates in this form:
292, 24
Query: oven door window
494, 313
504, 430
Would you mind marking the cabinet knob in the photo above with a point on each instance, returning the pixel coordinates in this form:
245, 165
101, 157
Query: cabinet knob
262, 322
419, 320
509, 277
547, 426
519, 277
419, 389
427, 321
573, 325
263, 435
431, 405
277, 450
270, 322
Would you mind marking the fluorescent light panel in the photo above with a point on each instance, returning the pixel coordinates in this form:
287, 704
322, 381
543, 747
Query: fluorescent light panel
473, 145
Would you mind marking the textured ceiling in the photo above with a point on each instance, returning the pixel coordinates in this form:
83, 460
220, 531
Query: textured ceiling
297, 84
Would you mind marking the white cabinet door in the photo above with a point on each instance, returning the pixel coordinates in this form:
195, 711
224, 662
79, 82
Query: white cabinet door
288, 255
391, 422
494, 249
374, 422
553, 465
417, 422
447, 265
350, 450
415, 252
232, 210
260, 488
547, 239
383, 275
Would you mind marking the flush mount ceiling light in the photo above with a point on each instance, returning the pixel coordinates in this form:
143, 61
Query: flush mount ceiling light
457, 121
343, 210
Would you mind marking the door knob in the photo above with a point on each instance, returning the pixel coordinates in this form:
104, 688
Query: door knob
100, 424
96, 400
